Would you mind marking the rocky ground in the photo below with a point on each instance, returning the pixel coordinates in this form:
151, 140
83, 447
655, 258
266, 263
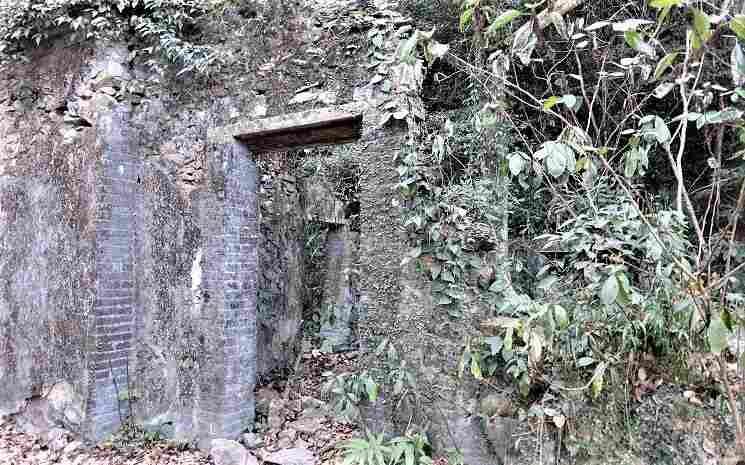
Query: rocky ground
294, 427
663, 423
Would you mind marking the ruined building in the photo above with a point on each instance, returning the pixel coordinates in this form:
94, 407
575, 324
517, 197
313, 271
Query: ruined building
151, 231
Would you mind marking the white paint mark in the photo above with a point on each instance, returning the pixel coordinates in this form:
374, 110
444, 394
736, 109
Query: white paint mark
196, 271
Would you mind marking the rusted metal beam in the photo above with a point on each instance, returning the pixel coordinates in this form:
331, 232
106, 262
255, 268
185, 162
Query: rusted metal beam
292, 131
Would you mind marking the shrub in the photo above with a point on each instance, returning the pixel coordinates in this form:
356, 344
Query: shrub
161, 27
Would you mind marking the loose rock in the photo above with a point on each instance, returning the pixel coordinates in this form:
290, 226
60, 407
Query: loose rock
295, 456
226, 452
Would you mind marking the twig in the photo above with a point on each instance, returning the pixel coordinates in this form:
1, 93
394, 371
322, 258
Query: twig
734, 222
740, 434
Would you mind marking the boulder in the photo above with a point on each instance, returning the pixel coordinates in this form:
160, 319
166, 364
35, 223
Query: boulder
60, 407
294, 456
226, 452
66, 407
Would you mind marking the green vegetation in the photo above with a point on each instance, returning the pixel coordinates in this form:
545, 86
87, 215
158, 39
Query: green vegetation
604, 147
157, 28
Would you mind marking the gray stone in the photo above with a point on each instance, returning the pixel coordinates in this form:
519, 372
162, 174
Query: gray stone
56, 439
72, 447
294, 456
226, 452
307, 425
340, 299
499, 431
252, 440
60, 407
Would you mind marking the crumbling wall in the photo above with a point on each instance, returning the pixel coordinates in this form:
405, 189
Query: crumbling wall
281, 249
48, 230
115, 253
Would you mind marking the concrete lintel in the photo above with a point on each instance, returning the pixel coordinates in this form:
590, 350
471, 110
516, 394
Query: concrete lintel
324, 126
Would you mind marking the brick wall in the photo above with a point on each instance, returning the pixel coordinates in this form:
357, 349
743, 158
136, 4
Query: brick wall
117, 189
226, 382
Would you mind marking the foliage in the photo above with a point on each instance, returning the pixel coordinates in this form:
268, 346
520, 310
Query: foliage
623, 270
411, 449
161, 27
455, 209
349, 390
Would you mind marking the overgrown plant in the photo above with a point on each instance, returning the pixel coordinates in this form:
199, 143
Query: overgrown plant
160, 27
628, 272
411, 449
349, 390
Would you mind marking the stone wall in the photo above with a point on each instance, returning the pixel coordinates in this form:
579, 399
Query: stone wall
128, 256
127, 247
281, 249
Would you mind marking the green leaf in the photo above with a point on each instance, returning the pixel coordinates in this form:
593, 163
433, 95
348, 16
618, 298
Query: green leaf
560, 314
661, 132
717, 117
631, 162
495, 344
408, 48
737, 65
558, 158
524, 42
737, 24
465, 19
517, 163
633, 38
666, 62
571, 101
663, 15
555, 163
508, 340
503, 20
444, 300
701, 28
536, 346
551, 102
597, 381
372, 389
476, 368
635, 41
663, 89
437, 50
524, 385
609, 291
660, 4
718, 335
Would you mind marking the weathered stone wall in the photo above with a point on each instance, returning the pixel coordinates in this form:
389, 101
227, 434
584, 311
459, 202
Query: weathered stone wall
125, 261
48, 230
128, 264
340, 303
281, 248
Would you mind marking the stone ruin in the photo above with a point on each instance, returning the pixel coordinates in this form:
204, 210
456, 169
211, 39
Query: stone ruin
105, 369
